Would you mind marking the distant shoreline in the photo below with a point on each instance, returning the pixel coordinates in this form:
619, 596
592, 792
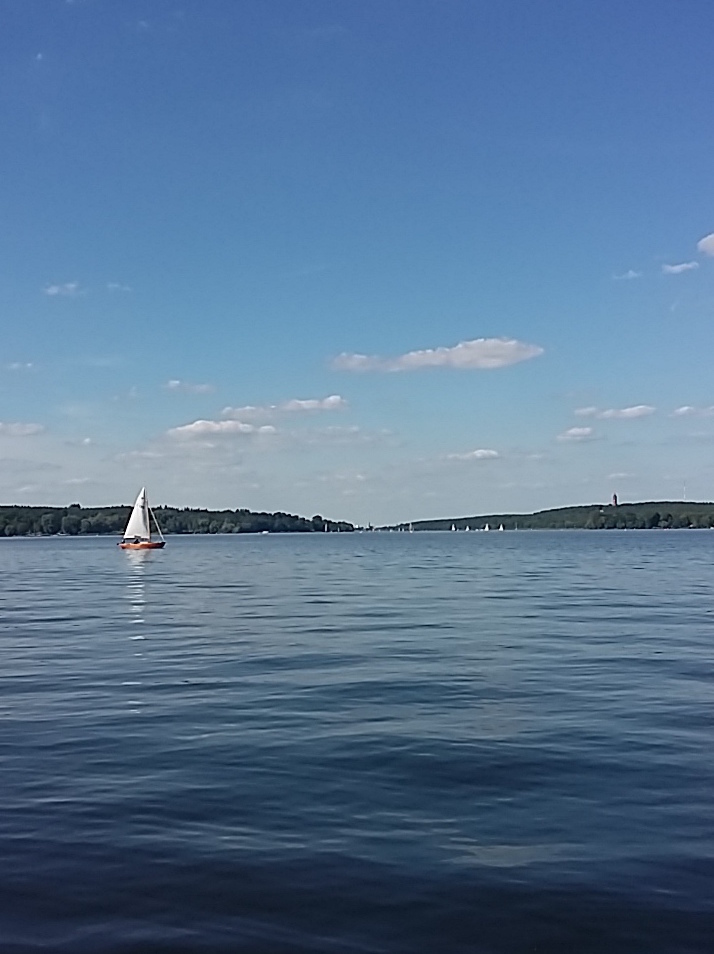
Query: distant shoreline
650, 515
73, 521
17, 520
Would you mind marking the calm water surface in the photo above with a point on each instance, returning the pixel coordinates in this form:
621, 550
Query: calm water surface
359, 743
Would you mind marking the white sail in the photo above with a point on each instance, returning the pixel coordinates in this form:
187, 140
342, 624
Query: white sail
138, 525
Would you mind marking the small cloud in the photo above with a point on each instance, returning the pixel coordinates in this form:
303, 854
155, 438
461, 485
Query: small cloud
19, 366
185, 386
619, 476
218, 428
576, 434
627, 276
67, 290
332, 403
480, 454
627, 413
706, 244
678, 269
688, 411
296, 405
477, 354
20, 430
117, 287
39, 57
612, 414
139, 455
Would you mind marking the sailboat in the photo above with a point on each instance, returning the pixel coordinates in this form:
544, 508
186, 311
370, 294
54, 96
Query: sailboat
137, 535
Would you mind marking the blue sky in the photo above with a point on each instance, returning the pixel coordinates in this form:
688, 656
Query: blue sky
377, 260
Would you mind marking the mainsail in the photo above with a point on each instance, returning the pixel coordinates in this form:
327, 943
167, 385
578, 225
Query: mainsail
138, 525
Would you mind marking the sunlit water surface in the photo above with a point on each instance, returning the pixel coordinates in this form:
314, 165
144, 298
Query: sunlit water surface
372, 742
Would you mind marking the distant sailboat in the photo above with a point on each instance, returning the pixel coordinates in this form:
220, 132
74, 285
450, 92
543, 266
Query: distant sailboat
487, 527
453, 527
137, 535
501, 527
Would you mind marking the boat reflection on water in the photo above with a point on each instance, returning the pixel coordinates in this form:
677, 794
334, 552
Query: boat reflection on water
136, 587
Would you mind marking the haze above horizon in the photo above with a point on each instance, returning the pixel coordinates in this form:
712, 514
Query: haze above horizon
377, 261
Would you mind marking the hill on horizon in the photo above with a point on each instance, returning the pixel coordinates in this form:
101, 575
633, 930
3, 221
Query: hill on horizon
648, 515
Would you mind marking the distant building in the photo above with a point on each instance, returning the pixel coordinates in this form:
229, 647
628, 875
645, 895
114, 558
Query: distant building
614, 500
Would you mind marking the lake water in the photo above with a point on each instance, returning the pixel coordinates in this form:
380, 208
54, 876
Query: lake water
428, 742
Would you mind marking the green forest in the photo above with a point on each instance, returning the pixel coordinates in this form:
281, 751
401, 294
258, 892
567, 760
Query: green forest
17, 521
656, 515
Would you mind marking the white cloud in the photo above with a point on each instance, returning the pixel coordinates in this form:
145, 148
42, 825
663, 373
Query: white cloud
20, 430
478, 354
185, 386
627, 413
706, 244
67, 290
688, 411
217, 428
117, 287
613, 413
576, 434
19, 366
678, 269
332, 403
627, 276
480, 454
296, 405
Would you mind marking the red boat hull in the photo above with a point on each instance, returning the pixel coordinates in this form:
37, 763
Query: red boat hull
144, 545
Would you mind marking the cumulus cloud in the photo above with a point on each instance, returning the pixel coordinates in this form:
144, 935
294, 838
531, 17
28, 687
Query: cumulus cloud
481, 453
185, 386
687, 410
613, 413
576, 434
67, 290
218, 428
706, 244
20, 430
477, 354
296, 405
627, 276
678, 269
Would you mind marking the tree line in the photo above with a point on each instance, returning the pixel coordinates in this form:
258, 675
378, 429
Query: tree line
654, 515
19, 521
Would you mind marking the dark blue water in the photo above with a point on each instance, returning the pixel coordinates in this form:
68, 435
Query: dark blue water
359, 743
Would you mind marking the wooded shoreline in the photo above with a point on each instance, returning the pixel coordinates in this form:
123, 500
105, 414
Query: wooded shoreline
20, 521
